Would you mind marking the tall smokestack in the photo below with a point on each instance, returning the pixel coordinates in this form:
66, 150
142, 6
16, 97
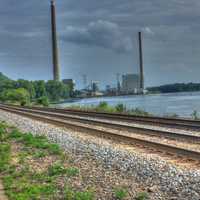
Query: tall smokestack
141, 63
56, 68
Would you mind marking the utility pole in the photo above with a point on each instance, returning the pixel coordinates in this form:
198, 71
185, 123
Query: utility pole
141, 63
56, 68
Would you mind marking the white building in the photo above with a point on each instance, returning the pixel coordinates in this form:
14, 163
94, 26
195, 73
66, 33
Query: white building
130, 83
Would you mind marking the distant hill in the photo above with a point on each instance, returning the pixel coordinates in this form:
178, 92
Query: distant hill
3, 77
177, 87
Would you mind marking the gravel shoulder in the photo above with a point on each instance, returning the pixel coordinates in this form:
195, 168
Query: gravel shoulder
150, 171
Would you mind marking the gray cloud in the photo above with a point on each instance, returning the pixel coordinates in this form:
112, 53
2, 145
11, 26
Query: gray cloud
100, 33
95, 31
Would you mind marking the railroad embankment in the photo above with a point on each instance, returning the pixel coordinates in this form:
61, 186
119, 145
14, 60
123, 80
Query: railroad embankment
105, 169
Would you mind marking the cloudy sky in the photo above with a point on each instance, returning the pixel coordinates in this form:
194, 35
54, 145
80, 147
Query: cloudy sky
99, 38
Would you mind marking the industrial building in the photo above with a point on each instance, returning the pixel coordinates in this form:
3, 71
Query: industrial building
68, 81
130, 84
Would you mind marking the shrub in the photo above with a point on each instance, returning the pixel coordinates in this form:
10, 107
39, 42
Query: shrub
20, 95
44, 101
103, 106
120, 108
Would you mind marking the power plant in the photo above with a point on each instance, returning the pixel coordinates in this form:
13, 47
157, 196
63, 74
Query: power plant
55, 56
132, 83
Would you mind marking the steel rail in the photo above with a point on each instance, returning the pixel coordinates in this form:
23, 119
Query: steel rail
133, 129
193, 155
172, 122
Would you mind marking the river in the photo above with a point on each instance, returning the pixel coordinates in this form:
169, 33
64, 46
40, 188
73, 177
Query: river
182, 104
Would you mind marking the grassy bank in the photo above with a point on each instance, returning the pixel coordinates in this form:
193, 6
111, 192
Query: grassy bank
105, 107
33, 168
122, 109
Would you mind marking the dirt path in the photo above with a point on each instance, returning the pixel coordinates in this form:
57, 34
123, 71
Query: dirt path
2, 194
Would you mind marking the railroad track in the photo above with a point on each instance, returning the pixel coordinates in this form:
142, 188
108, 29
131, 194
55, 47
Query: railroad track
178, 123
110, 124
62, 120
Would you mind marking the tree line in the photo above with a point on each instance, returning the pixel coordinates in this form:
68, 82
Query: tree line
38, 92
177, 87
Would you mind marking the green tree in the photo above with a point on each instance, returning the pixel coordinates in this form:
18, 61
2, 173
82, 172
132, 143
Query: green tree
20, 95
28, 85
56, 90
40, 89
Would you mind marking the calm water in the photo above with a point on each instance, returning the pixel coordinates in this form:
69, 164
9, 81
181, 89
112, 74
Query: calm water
182, 104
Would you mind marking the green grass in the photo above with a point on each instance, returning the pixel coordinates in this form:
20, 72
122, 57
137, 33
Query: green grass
73, 195
4, 156
72, 171
20, 182
39, 142
23, 182
87, 195
142, 196
120, 193
39, 154
119, 108
58, 169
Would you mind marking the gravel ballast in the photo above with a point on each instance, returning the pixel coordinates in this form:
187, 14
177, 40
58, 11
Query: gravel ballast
176, 183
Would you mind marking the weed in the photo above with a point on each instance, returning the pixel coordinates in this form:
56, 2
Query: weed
42, 177
8, 181
72, 171
15, 134
87, 195
120, 108
2, 131
4, 156
39, 154
54, 149
56, 169
37, 141
64, 157
69, 194
120, 193
195, 115
142, 196
22, 157
72, 195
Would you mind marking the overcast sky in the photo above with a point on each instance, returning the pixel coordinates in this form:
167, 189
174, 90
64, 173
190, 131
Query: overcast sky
99, 38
